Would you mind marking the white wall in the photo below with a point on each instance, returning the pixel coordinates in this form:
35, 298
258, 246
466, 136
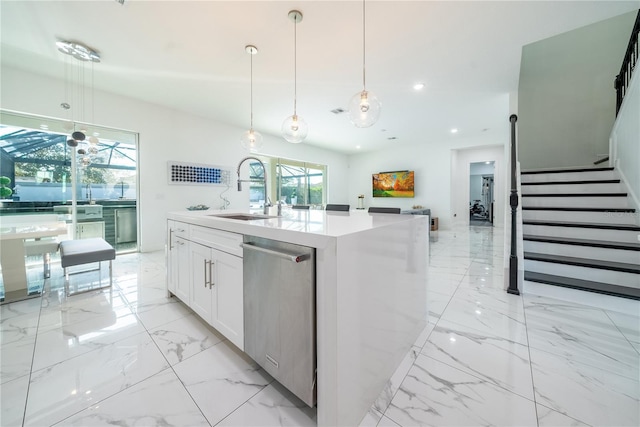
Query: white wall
433, 168
625, 140
164, 135
475, 188
566, 96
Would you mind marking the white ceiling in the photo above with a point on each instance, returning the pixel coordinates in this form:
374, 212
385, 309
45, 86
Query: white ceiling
190, 55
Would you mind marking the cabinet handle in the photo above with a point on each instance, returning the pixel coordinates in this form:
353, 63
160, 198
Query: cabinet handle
205, 273
170, 239
180, 230
211, 284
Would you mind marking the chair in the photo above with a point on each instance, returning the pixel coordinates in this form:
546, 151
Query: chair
85, 251
343, 208
300, 207
384, 210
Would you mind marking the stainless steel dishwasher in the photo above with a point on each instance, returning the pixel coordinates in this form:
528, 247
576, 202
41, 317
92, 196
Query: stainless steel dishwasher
280, 312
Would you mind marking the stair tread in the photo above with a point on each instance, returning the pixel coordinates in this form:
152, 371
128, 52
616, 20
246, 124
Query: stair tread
584, 262
575, 195
630, 227
534, 172
547, 208
595, 181
583, 242
570, 282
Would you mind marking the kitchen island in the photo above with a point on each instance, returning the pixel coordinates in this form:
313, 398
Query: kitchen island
370, 277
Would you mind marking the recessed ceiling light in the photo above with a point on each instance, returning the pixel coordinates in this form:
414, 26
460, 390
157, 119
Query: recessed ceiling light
488, 163
358, 147
454, 130
44, 127
418, 86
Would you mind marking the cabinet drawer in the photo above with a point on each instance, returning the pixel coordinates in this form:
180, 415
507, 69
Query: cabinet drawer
180, 229
217, 239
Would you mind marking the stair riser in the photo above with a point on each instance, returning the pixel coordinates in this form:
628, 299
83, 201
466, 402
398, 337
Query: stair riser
587, 252
628, 218
573, 188
625, 236
568, 176
584, 273
576, 202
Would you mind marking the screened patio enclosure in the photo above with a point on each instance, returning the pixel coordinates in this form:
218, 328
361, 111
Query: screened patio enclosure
37, 163
295, 183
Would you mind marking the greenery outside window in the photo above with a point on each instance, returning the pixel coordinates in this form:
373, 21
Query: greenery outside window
292, 182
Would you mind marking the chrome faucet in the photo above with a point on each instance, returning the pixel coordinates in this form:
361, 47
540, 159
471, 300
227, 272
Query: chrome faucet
267, 204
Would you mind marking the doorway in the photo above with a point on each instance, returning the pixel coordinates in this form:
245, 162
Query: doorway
481, 194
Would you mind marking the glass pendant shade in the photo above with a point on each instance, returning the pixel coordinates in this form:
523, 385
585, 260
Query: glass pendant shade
364, 109
294, 129
78, 136
251, 140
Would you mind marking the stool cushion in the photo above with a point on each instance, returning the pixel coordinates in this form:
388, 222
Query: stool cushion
83, 251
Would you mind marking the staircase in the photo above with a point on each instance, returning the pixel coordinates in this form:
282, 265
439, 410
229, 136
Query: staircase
579, 231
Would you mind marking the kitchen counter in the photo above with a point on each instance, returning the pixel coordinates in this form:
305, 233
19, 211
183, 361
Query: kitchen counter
370, 295
314, 228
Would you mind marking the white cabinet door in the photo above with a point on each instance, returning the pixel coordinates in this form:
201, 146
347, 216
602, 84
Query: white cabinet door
172, 258
201, 272
86, 230
227, 311
183, 290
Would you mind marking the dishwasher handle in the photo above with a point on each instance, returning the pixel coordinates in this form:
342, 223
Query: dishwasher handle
289, 257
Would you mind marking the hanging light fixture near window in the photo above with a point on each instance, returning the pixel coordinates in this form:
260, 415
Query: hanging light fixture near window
251, 140
294, 128
364, 106
83, 54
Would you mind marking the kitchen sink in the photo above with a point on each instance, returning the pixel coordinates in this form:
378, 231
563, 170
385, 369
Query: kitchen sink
243, 217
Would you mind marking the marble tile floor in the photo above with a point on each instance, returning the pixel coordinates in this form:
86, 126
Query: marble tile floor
131, 356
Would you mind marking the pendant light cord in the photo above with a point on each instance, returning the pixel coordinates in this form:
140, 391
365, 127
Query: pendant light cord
93, 97
295, 65
251, 120
364, 27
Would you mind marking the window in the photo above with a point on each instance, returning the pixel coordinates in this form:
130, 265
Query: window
36, 157
293, 183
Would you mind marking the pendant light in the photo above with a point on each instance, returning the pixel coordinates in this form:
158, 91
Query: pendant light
294, 128
364, 106
83, 54
251, 140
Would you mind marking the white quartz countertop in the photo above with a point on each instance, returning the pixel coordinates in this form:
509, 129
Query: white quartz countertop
307, 227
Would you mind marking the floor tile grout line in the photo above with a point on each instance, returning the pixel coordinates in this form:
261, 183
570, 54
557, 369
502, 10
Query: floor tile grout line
586, 365
93, 293
109, 397
533, 380
245, 402
33, 356
481, 379
620, 330
172, 367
